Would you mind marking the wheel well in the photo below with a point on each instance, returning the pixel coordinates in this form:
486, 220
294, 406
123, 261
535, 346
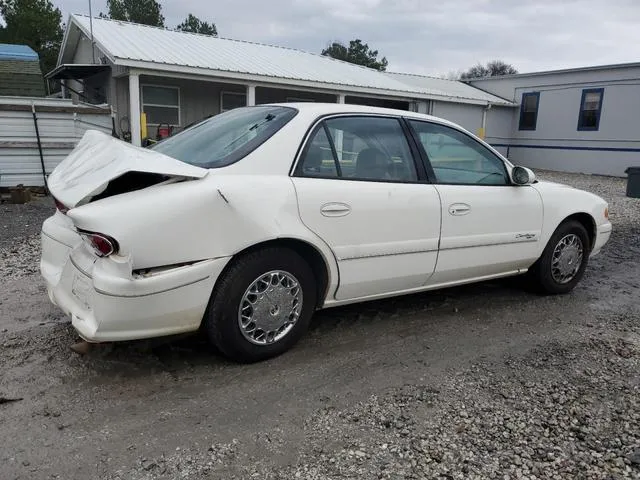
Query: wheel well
305, 250
588, 223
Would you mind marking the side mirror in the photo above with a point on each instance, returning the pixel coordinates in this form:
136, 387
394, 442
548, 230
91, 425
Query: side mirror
522, 176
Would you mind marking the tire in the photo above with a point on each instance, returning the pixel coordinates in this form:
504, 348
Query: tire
222, 320
542, 276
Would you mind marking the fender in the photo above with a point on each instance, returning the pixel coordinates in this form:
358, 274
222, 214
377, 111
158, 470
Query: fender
561, 201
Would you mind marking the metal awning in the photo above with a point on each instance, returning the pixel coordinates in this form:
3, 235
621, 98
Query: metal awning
76, 71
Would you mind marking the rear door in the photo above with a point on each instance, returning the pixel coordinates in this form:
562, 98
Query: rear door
489, 225
360, 190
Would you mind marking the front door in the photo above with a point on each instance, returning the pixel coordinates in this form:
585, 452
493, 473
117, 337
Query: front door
359, 190
489, 225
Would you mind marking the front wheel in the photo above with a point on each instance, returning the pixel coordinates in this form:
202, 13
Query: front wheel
564, 259
262, 305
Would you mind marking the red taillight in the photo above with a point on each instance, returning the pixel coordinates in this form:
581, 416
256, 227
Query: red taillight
102, 244
60, 206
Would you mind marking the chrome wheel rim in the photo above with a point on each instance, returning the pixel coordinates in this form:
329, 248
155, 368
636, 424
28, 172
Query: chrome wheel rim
566, 259
270, 307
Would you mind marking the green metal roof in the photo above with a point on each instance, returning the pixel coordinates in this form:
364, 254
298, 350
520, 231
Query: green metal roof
21, 78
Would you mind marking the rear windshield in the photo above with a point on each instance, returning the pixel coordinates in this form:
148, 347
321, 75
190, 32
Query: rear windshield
227, 137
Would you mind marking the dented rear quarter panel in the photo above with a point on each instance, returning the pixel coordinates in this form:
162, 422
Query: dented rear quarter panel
191, 221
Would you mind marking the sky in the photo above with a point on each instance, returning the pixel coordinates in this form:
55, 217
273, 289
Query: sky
430, 37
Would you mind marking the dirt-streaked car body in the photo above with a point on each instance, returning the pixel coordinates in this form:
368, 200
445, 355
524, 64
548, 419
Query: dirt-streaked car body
248, 222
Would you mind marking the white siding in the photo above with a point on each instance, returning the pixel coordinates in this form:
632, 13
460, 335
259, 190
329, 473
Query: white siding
467, 116
505, 87
500, 123
556, 143
593, 162
59, 133
559, 107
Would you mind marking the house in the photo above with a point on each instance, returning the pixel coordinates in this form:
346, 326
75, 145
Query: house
575, 120
178, 78
20, 73
578, 120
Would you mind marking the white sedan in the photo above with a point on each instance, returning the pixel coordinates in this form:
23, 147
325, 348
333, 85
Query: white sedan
248, 222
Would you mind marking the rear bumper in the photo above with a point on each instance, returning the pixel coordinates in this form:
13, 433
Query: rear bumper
603, 234
107, 303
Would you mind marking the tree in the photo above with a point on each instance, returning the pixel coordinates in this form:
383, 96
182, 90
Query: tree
494, 68
194, 25
36, 23
146, 12
358, 53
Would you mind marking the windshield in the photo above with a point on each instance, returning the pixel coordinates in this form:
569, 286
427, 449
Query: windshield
226, 138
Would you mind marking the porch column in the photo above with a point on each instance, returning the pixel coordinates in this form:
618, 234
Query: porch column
251, 95
134, 108
338, 136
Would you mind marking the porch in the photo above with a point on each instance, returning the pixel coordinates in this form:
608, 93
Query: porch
176, 103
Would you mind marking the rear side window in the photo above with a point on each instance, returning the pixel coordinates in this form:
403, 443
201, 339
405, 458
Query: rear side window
359, 148
227, 137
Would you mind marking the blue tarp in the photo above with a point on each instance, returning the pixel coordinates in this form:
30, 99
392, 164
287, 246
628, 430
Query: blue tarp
17, 52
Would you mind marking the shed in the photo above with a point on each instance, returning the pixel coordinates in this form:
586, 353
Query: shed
61, 125
20, 73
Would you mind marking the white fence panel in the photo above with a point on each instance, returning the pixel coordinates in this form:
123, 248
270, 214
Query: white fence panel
61, 124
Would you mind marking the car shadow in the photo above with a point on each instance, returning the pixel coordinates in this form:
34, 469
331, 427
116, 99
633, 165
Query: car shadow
179, 354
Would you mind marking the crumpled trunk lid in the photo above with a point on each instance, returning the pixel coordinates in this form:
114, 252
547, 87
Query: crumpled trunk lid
100, 159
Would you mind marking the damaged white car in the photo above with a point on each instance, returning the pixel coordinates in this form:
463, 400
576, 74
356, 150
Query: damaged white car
248, 222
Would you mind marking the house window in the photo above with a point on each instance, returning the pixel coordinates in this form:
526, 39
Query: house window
529, 110
161, 104
231, 100
590, 108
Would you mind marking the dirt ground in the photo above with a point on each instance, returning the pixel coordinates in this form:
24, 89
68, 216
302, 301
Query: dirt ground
483, 381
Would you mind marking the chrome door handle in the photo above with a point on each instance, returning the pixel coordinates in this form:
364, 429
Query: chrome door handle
459, 209
335, 209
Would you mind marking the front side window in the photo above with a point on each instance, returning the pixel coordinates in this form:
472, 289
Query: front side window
590, 108
360, 148
529, 111
226, 138
161, 104
456, 158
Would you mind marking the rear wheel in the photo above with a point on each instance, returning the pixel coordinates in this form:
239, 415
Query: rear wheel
564, 259
262, 305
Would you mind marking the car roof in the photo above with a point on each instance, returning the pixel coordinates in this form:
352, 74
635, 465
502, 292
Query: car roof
320, 109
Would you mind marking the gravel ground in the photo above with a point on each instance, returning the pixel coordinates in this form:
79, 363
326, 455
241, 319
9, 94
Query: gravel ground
483, 381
